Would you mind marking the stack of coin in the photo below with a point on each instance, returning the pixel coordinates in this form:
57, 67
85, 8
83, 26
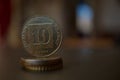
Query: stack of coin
42, 64
42, 38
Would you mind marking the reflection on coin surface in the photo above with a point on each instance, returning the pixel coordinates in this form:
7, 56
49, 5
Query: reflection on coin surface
41, 36
42, 64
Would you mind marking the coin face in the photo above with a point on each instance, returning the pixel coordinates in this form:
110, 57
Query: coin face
41, 36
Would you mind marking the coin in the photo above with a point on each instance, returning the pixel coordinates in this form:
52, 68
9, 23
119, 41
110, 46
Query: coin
41, 36
42, 64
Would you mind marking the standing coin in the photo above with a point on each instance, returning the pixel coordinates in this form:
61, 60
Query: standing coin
41, 36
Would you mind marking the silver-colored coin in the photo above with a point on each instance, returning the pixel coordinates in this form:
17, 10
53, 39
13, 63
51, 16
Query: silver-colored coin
41, 36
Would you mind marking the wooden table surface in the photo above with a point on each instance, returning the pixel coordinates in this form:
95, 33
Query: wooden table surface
80, 63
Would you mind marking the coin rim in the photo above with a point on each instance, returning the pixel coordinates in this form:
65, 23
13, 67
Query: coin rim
40, 61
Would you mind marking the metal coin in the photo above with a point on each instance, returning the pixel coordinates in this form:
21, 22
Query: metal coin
42, 64
41, 36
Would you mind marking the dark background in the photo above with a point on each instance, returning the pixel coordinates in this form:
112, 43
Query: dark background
91, 38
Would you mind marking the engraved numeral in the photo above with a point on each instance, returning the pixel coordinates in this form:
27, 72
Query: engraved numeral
40, 36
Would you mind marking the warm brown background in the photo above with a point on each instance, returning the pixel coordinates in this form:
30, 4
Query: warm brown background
94, 57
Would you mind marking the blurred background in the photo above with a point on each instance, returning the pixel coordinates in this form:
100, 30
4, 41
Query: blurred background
91, 43
82, 20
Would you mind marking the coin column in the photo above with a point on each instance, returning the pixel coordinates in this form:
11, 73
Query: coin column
42, 37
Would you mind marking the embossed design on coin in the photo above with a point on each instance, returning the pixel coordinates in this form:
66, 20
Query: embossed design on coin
41, 36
